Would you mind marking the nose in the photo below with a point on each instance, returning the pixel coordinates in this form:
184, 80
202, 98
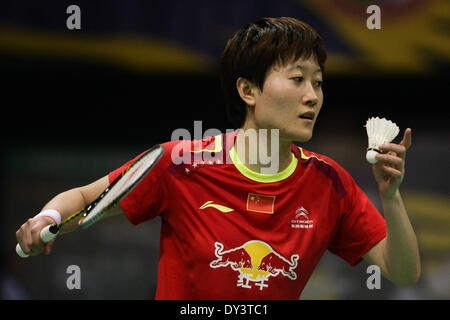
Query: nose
310, 97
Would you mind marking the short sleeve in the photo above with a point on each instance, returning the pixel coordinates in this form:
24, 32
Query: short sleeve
361, 226
146, 200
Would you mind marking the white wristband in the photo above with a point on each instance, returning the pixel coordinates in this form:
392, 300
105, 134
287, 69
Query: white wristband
52, 214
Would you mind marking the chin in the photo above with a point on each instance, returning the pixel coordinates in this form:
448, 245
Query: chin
298, 135
303, 139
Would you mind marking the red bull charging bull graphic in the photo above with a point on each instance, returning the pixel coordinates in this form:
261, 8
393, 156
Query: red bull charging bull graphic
256, 262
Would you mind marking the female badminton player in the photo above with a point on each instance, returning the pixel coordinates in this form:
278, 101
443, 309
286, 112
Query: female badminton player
237, 227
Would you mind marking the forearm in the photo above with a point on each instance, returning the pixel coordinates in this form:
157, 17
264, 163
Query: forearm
71, 201
401, 251
67, 203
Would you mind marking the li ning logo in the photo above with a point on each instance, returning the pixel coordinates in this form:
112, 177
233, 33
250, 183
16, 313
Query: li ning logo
302, 220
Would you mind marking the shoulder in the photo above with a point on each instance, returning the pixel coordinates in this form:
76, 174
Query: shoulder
340, 177
187, 148
308, 156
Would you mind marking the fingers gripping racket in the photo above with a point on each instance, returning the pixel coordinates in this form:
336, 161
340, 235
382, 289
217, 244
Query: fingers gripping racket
116, 191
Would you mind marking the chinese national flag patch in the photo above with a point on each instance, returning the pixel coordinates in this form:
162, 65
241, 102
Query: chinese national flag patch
260, 203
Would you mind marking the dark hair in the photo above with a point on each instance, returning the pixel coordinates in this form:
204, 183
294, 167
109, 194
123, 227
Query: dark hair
253, 50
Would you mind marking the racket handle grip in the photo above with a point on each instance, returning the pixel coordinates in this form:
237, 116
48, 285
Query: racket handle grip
20, 252
47, 234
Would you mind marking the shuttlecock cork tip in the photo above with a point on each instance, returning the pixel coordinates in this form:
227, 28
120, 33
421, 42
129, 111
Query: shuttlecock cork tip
371, 156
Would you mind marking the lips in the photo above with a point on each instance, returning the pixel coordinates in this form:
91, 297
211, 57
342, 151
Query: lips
308, 115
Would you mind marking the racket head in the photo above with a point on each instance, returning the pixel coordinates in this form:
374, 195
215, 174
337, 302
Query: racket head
121, 187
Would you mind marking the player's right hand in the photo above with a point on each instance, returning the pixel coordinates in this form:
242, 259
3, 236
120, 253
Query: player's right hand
29, 239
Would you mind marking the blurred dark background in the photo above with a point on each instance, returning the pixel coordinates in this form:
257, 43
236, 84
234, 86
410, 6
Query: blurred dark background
79, 103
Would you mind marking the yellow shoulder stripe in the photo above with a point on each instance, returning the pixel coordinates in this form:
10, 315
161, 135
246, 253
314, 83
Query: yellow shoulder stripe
217, 145
305, 157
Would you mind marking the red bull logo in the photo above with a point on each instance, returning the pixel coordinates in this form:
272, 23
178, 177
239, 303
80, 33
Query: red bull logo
256, 262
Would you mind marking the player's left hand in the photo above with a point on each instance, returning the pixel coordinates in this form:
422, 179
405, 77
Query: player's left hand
389, 171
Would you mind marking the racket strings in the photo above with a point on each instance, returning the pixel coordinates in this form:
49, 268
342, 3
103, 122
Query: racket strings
86, 210
120, 187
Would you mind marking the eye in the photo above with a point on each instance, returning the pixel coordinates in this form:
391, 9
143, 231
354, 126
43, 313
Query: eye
298, 79
319, 84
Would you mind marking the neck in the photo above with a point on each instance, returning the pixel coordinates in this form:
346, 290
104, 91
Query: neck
262, 150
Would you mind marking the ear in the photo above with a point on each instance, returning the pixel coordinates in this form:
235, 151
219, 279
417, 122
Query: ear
247, 91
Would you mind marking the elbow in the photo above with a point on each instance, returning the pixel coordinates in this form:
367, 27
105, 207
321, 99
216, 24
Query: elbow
407, 279
405, 274
414, 279
406, 282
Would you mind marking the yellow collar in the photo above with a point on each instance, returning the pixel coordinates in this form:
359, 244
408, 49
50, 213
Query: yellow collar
259, 177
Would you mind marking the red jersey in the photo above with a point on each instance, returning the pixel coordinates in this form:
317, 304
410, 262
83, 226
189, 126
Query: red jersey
231, 233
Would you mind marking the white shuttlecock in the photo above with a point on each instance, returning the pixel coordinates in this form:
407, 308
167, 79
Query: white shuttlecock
379, 131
